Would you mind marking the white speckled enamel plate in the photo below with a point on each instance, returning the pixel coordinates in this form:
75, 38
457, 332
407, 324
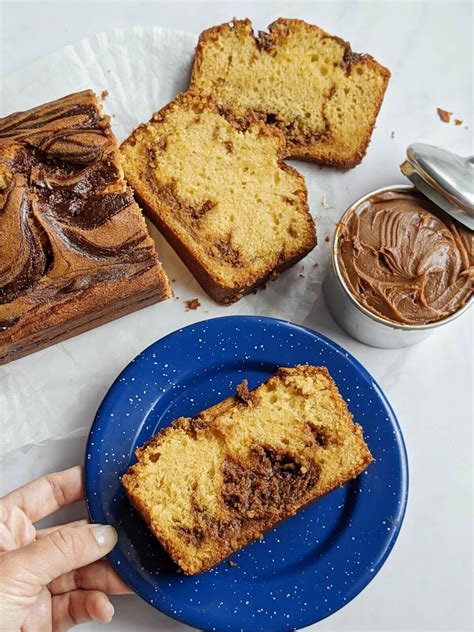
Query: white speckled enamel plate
306, 568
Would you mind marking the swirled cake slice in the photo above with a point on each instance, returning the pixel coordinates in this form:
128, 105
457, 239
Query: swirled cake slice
74, 248
299, 79
207, 486
216, 187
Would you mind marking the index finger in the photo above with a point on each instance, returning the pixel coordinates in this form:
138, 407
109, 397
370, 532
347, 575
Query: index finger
47, 494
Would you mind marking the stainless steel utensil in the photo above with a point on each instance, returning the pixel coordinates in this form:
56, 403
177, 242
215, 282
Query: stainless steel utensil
444, 177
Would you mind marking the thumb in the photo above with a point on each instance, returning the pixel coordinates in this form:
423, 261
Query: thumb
60, 552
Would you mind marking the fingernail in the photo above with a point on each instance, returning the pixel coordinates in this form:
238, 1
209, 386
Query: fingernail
105, 614
105, 535
110, 611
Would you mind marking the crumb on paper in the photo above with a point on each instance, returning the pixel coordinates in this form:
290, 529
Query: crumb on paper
104, 94
458, 122
261, 538
326, 239
392, 135
315, 265
444, 115
173, 280
193, 303
302, 276
176, 298
232, 564
325, 203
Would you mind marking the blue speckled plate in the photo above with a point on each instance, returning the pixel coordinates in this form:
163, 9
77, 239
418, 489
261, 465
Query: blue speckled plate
306, 568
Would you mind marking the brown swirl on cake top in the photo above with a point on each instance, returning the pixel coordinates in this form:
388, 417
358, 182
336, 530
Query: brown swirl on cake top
67, 219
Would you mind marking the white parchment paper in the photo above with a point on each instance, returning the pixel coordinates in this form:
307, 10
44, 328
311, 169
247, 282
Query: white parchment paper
55, 393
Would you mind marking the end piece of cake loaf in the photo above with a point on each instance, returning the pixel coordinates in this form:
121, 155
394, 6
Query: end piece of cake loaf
298, 78
216, 187
207, 486
74, 248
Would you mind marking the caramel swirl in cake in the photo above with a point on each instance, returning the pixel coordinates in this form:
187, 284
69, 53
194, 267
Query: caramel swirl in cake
67, 219
405, 260
24, 257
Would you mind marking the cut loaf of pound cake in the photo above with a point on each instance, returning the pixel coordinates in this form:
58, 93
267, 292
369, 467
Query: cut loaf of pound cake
216, 187
74, 247
207, 486
298, 78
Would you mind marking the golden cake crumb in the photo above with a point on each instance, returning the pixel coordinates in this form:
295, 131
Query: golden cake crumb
444, 115
193, 303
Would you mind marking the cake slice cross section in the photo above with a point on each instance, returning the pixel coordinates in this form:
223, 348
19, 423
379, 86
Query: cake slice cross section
208, 485
215, 185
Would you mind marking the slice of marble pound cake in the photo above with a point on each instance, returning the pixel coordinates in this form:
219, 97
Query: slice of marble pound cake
216, 187
298, 78
207, 486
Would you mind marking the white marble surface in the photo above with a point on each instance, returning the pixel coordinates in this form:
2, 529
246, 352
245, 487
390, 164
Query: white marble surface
426, 584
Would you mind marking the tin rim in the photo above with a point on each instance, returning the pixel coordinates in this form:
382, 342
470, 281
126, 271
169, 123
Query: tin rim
335, 266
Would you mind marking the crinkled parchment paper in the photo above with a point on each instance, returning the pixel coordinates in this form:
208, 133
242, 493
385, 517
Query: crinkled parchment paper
55, 393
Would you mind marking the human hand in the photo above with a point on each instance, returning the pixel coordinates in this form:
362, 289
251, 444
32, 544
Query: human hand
51, 579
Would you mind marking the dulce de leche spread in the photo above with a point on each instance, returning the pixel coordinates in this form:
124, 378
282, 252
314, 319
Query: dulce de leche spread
405, 260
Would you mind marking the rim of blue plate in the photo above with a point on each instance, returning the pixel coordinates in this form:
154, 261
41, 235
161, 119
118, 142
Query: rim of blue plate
163, 606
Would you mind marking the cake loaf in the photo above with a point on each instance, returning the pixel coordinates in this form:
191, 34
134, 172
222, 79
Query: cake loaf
74, 248
217, 189
207, 486
299, 79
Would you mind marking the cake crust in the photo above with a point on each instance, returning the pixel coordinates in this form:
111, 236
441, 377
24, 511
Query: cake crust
74, 248
245, 464
212, 234
297, 77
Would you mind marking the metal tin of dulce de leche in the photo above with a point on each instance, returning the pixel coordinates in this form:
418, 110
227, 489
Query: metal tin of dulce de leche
357, 320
